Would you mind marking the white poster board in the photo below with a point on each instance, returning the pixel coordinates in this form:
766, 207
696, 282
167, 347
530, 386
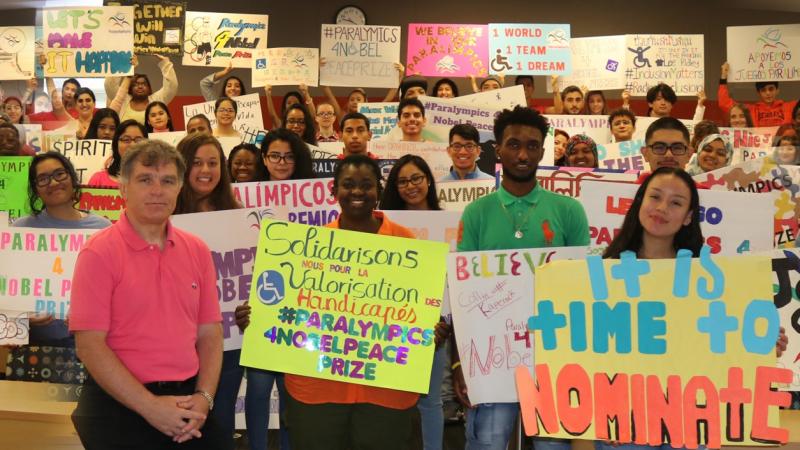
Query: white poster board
597, 63
360, 55
285, 66
763, 53
16, 52
675, 59
216, 39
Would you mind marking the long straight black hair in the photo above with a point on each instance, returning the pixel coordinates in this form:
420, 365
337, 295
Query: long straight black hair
630, 236
391, 195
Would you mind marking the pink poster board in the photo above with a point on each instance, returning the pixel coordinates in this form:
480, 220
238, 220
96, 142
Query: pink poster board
447, 50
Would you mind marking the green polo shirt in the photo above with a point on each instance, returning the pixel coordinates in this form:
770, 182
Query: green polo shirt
555, 221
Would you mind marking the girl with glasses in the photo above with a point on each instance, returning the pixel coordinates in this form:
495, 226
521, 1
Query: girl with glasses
298, 120
410, 186
225, 110
128, 133
285, 156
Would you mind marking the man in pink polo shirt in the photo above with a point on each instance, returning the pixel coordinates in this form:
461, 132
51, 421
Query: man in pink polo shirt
146, 319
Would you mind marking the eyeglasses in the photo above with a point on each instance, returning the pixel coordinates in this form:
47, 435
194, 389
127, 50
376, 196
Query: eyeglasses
414, 180
468, 147
295, 122
676, 148
275, 158
44, 179
325, 114
128, 139
226, 110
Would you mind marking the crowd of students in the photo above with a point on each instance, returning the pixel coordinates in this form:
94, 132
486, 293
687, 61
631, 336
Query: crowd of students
663, 218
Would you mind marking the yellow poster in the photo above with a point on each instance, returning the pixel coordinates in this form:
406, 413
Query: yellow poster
345, 306
678, 351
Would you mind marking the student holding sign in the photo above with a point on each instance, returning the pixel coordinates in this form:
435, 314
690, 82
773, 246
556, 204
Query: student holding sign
714, 152
103, 125
358, 95
131, 95
769, 112
158, 118
54, 192
334, 415
445, 88
520, 214
581, 151
663, 218
661, 98
297, 119
285, 156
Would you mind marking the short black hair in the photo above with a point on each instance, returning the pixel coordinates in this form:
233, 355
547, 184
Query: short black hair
666, 92
667, 123
762, 84
358, 160
520, 78
71, 81
621, 112
520, 115
446, 81
34, 201
353, 116
466, 131
413, 81
85, 90
410, 102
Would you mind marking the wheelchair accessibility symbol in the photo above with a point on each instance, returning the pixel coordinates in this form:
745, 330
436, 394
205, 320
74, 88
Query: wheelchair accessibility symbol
270, 287
261, 64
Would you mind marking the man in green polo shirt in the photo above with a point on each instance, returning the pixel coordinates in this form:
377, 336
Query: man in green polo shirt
521, 214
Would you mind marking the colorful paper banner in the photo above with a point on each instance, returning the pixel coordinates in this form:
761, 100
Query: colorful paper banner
88, 41
344, 306
14, 185
677, 351
217, 39
786, 287
107, 203
249, 122
300, 201
597, 63
36, 266
447, 50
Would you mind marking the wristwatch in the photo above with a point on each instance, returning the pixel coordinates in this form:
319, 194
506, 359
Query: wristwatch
208, 398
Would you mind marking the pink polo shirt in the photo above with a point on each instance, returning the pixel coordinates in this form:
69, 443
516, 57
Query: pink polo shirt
149, 301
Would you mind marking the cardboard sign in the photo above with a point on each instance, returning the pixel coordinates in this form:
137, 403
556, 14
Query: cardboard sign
216, 39
88, 41
36, 266
16, 53
287, 66
597, 63
659, 347
492, 297
347, 306
87, 155
14, 186
360, 55
158, 27
675, 59
447, 50
763, 53
533, 49
249, 122
732, 223
785, 279
456, 195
